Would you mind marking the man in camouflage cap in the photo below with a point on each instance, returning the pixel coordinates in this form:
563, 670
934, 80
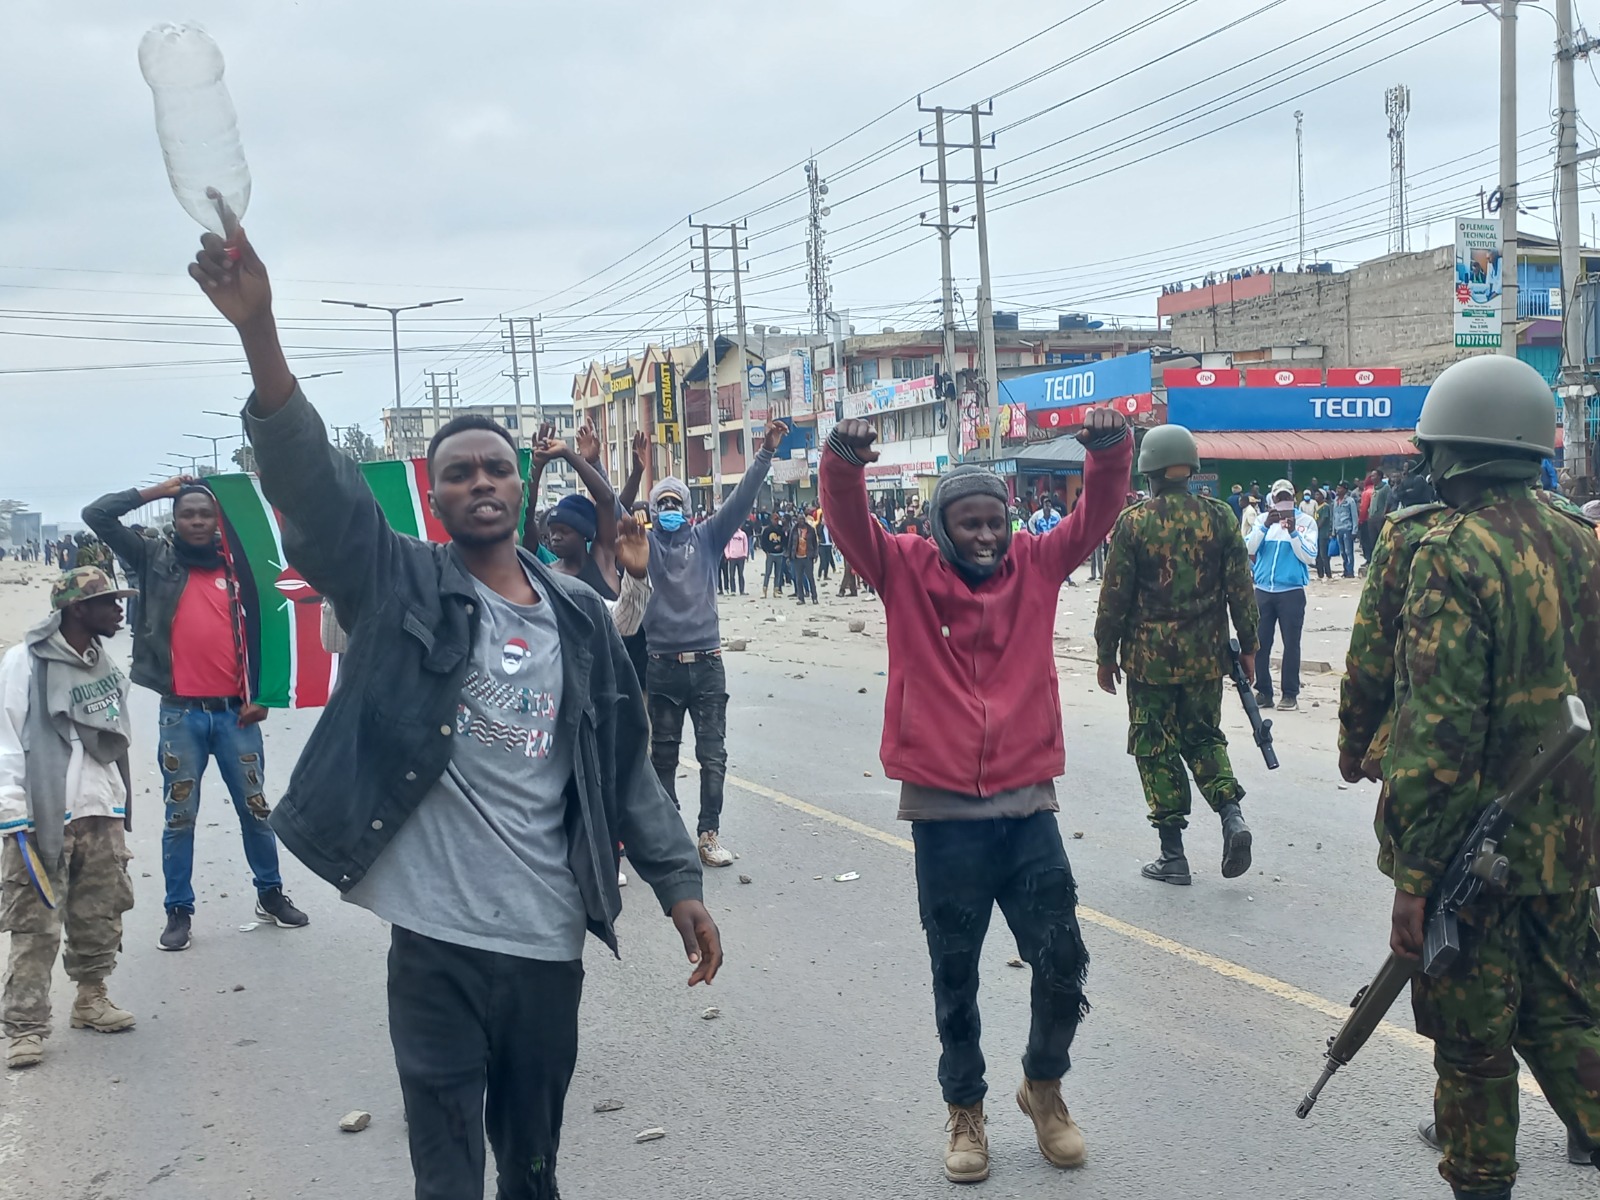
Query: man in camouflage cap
64, 794
1501, 620
1175, 571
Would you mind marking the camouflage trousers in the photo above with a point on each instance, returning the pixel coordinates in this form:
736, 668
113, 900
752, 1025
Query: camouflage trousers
1170, 725
92, 892
1528, 983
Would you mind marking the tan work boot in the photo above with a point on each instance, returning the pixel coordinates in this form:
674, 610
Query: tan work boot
25, 1051
1060, 1139
93, 1010
966, 1158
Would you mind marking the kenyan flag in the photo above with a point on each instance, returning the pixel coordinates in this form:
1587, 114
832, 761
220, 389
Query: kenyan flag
283, 613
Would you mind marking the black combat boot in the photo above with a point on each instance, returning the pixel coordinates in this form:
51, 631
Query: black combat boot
1235, 842
1580, 1153
1172, 866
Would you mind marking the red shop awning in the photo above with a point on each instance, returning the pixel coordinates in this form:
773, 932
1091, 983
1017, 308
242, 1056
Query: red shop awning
1304, 445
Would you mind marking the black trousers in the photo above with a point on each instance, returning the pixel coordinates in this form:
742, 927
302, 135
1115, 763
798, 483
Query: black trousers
482, 1041
699, 689
1281, 612
963, 869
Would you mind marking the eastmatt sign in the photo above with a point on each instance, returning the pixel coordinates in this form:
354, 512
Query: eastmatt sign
1215, 409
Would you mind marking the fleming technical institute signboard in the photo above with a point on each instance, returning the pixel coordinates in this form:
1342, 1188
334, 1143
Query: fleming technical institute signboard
1477, 294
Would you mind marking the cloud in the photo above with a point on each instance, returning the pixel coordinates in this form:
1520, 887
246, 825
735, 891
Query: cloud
504, 151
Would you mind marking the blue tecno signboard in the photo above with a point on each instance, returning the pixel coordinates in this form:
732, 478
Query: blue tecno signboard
1222, 410
1091, 383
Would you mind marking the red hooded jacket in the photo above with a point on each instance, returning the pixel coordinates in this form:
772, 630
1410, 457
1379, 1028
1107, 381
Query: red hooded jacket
973, 705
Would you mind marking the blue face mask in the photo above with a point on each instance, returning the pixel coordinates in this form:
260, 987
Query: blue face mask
671, 520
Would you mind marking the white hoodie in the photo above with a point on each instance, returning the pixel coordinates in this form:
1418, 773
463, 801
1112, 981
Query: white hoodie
94, 788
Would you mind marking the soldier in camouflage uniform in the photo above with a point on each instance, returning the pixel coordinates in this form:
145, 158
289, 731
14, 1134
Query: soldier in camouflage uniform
64, 787
1501, 620
1366, 703
1176, 568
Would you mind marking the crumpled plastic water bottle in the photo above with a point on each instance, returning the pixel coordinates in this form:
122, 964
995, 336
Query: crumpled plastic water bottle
196, 123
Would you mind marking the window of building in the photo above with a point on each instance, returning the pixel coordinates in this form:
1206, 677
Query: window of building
913, 368
863, 374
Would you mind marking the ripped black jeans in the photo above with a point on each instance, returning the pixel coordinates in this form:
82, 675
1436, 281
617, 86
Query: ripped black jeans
963, 869
482, 1041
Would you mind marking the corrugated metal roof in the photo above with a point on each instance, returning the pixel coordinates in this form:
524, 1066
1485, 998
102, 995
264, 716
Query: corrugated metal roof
1304, 445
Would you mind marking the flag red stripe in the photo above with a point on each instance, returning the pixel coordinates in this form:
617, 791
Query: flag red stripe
433, 531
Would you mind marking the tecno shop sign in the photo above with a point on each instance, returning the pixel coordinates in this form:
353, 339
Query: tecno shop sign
1222, 410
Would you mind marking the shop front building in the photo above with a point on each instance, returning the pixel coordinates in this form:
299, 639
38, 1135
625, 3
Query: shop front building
1294, 423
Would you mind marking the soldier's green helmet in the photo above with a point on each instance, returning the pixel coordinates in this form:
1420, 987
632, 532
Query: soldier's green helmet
1168, 446
1491, 400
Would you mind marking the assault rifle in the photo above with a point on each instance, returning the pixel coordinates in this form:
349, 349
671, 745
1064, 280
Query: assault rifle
1476, 865
1261, 726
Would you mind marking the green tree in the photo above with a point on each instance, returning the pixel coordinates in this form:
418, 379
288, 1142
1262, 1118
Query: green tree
7, 507
245, 458
358, 444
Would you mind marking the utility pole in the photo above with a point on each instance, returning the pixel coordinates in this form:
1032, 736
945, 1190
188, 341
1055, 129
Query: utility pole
816, 260
516, 374
1509, 290
533, 365
744, 372
1300, 177
946, 230
1576, 388
448, 388
715, 408
1397, 106
987, 361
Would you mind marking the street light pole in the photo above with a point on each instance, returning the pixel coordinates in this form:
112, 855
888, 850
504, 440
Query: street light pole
394, 312
227, 437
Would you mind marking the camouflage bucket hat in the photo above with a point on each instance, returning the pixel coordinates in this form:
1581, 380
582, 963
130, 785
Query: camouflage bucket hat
83, 583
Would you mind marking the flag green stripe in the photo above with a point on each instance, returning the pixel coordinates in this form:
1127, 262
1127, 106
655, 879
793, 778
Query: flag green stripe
255, 528
392, 488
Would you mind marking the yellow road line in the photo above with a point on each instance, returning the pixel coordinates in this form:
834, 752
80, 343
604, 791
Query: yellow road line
1226, 968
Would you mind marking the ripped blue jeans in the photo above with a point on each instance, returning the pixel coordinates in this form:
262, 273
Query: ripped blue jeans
190, 738
964, 868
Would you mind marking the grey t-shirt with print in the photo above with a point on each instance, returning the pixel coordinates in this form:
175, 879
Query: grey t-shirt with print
482, 862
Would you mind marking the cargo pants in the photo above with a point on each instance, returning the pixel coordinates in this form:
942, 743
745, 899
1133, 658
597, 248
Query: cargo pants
1528, 983
1170, 725
92, 892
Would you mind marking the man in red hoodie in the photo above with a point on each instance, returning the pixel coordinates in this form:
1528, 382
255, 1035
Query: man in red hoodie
972, 729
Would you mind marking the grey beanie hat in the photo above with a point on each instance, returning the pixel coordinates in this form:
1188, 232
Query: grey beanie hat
958, 485
670, 484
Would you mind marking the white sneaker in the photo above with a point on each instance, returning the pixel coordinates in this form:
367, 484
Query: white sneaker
712, 852
622, 879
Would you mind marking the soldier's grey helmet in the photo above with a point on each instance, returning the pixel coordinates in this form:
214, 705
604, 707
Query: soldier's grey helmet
1168, 446
1491, 400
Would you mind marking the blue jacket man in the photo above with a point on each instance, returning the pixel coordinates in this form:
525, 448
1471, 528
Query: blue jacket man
1283, 548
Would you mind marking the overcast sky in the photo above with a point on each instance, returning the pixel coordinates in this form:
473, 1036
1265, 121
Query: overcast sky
538, 157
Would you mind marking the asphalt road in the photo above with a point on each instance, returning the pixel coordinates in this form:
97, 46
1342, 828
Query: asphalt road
1211, 1004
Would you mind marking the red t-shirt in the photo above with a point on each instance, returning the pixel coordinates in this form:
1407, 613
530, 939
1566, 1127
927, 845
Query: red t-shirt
204, 659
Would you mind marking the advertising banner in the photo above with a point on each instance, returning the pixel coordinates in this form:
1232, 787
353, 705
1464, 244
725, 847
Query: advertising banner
1206, 410
1477, 294
890, 396
1096, 382
1344, 377
802, 402
759, 410
1283, 377
1069, 419
1200, 377
667, 415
